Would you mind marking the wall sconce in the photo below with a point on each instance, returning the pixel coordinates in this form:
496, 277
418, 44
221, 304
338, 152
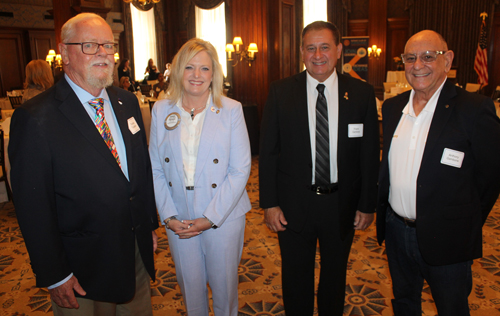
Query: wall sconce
374, 51
117, 57
55, 61
247, 54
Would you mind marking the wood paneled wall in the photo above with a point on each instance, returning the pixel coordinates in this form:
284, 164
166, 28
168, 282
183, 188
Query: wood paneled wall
12, 60
249, 20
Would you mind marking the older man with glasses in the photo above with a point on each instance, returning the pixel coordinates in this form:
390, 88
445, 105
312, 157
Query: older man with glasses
438, 181
82, 182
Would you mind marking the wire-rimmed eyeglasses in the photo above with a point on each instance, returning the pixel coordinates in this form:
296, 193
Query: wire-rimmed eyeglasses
425, 57
91, 48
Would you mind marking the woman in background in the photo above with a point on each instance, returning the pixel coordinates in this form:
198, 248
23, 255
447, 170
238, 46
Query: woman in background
126, 85
151, 70
200, 155
39, 78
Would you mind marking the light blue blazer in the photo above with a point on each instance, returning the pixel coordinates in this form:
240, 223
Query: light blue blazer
222, 167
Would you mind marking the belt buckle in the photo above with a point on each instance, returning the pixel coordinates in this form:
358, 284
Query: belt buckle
318, 191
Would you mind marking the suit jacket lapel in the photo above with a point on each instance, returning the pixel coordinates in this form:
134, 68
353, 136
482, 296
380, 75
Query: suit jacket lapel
73, 110
444, 109
299, 105
122, 119
174, 141
208, 133
344, 90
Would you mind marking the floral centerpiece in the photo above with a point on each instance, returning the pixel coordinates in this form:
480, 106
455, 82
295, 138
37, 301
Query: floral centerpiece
399, 63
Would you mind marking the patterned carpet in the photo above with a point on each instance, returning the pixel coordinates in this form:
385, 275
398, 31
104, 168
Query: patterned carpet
368, 289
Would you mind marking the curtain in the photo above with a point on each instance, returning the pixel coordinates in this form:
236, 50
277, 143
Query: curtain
459, 22
211, 26
144, 33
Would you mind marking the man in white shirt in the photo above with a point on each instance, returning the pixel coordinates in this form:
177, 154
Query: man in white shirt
438, 180
318, 167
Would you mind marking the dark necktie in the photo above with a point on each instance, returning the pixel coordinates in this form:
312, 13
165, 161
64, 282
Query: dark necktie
322, 168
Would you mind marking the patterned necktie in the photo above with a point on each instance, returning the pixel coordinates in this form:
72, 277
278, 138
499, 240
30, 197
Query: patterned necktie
322, 167
103, 128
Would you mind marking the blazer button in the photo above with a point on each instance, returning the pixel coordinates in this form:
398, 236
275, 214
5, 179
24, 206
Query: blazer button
216, 161
214, 185
167, 160
170, 183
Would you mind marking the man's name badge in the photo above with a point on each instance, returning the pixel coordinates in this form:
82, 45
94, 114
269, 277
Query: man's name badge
355, 130
132, 125
452, 158
172, 121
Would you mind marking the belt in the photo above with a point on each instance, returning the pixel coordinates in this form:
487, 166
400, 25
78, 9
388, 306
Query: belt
190, 188
408, 222
324, 189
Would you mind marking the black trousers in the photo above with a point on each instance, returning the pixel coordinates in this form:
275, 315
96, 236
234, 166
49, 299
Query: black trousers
298, 253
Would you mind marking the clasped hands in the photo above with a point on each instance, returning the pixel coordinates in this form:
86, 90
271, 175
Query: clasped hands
188, 228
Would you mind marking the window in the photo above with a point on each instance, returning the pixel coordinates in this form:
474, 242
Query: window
211, 26
315, 10
143, 29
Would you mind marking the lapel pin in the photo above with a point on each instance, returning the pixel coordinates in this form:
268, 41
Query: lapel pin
447, 106
346, 96
212, 109
120, 101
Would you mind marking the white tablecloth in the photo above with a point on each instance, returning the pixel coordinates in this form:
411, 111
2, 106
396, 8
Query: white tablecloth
396, 76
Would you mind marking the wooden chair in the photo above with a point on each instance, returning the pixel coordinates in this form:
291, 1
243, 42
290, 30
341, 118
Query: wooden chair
3, 177
16, 101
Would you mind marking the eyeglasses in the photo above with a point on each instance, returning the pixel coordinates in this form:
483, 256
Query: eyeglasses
425, 57
91, 48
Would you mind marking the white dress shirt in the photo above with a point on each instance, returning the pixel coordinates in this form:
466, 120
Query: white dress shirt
332, 100
405, 155
190, 139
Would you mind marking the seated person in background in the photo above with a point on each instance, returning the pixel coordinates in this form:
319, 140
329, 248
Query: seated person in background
151, 70
124, 71
126, 85
38, 78
160, 86
166, 74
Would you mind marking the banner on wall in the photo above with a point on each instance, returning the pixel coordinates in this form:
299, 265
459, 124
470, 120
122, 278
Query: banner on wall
355, 56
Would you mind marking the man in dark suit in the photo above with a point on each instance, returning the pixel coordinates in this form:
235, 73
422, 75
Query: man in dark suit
439, 179
319, 158
84, 200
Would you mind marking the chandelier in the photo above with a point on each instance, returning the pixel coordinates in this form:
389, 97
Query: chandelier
142, 4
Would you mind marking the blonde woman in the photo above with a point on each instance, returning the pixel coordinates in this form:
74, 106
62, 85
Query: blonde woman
200, 155
39, 78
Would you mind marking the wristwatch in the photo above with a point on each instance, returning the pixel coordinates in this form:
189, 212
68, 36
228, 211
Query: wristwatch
167, 221
211, 223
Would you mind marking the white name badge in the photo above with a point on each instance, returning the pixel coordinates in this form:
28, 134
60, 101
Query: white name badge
452, 158
132, 125
355, 130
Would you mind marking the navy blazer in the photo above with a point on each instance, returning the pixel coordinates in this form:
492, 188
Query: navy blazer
285, 166
76, 209
452, 203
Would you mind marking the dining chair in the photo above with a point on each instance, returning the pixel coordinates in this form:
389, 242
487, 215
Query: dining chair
16, 101
473, 87
3, 177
